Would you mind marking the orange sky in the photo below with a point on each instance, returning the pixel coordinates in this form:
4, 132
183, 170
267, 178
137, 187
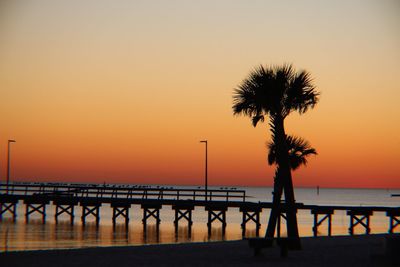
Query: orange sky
122, 91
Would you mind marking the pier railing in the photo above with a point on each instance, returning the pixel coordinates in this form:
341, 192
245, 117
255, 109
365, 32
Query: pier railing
103, 191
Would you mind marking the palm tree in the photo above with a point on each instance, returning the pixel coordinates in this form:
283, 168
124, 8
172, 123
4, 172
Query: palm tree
298, 150
274, 92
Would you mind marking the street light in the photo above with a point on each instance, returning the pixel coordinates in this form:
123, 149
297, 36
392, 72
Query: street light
206, 178
8, 164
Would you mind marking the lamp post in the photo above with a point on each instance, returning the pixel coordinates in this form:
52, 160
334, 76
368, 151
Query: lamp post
8, 163
206, 172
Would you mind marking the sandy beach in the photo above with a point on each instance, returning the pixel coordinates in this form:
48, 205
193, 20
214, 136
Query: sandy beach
321, 251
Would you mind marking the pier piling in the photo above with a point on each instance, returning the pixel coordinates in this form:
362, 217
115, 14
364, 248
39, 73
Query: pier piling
36, 204
250, 213
394, 219
151, 210
120, 209
183, 211
359, 217
65, 205
327, 215
217, 212
8, 204
90, 207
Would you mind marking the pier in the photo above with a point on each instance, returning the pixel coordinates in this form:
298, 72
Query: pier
91, 197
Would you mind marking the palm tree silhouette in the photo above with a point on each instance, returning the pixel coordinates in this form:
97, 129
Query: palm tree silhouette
274, 92
298, 150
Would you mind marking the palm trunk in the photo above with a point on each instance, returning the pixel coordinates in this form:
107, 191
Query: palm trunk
276, 202
283, 181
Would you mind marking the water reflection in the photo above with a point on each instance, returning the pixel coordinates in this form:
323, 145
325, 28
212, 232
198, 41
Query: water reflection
183, 234
251, 232
35, 233
151, 234
5, 236
216, 234
120, 234
65, 232
91, 233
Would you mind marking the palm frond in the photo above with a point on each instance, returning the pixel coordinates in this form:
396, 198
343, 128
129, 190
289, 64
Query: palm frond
298, 150
301, 93
273, 90
256, 119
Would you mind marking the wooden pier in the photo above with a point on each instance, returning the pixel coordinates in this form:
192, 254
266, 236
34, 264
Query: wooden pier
36, 204
250, 213
120, 209
91, 197
216, 212
183, 211
326, 212
90, 207
65, 205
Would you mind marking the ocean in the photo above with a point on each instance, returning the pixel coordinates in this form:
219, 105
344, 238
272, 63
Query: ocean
35, 235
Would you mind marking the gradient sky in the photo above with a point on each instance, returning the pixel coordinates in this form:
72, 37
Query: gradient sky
122, 91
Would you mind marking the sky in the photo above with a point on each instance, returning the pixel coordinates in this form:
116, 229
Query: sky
123, 91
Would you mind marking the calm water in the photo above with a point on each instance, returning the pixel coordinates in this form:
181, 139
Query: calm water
35, 235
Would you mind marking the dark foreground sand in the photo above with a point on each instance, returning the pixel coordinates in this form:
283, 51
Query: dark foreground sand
322, 251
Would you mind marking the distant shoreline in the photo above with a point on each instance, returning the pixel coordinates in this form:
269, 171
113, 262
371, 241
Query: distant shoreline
362, 250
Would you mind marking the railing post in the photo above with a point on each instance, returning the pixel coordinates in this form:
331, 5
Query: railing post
160, 194
315, 231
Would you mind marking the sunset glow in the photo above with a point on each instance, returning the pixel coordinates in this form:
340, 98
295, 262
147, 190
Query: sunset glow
122, 92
